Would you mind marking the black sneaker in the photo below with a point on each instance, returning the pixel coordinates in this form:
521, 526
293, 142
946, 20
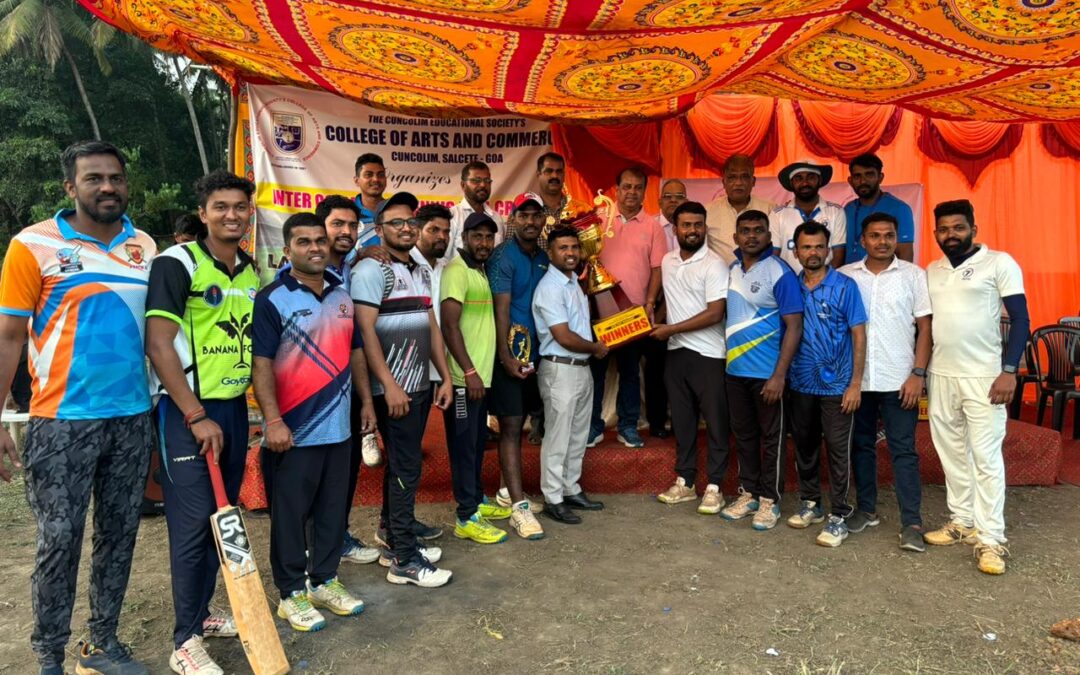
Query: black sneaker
115, 659
860, 520
911, 539
425, 532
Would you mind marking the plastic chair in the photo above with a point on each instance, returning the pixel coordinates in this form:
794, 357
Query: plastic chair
1073, 321
1024, 375
1057, 372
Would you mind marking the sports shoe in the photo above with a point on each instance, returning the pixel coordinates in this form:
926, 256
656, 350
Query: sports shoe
356, 551
301, 615
420, 573
834, 533
502, 498
114, 659
492, 511
809, 514
595, 439
911, 539
52, 669
370, 454
950, 533
432, 554
991, 558
678, 493
712, 501
333, 596
631, 438
525, 523
860, 520
479, 530
744, 505
219, 624
419, 530
767, 515
536, 434
191, 659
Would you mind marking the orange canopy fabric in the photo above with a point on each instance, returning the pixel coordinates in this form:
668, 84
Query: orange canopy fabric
609, 61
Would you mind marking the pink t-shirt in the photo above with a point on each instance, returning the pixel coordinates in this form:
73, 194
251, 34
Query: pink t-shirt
637, 247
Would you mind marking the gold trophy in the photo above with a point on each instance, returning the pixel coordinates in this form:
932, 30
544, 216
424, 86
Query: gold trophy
520, 343
617, 320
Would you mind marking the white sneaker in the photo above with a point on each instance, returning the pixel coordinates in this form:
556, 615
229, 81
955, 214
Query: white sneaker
219, 624
525, 523
355, 551
369, 450
419, 573
712, 501
502, 498
432, 554
333, 596
192, 659
297, 609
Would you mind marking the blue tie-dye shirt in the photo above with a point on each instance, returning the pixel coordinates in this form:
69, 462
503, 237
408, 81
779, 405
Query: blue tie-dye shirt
824, 363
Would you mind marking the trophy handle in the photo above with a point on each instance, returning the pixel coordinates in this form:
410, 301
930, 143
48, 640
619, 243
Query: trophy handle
602, 200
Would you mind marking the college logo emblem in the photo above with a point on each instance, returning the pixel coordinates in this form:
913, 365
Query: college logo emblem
69, 259
791, 244
252, 293
288, 132
343, 311
755, 287
134, 253
967, 274
213, 296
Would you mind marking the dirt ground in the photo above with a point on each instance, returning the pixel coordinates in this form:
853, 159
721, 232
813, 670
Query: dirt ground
646, 588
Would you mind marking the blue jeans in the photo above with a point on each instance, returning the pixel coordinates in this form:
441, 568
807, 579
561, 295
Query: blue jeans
628, 400
900, 433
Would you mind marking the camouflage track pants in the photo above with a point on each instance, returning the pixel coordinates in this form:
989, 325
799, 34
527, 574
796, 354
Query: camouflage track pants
67, 461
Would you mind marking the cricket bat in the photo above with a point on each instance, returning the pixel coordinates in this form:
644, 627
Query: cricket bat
250, 609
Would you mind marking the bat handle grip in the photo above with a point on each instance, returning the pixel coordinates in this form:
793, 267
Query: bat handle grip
216, 480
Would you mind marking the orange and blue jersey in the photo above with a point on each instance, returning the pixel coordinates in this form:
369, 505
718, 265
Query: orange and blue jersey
310, 339
84, 301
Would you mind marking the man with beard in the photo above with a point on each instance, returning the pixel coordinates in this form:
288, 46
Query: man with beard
468, 327
306, 352
515, 268
826, 383
550, 175
672, 195
971, 381
865, 177
198, 338
370, 178
695, 292
738, 180
77, 282
561, 313
804, 179
400, 337
896, 300
633, 255
476, 187
764, 327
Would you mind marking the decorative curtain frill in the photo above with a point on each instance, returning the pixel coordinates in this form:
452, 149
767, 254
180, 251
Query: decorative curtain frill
722, 126
846, 130
969, 146
1061, 139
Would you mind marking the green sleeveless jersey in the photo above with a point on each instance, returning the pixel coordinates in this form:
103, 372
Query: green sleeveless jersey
213, 308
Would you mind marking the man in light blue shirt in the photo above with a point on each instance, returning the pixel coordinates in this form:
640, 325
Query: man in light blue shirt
561, 313
865, 177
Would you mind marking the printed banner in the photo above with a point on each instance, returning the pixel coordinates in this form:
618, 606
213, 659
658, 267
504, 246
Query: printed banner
304, 146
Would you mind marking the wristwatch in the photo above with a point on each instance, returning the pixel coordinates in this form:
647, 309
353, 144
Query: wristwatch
918, 372
1011, 370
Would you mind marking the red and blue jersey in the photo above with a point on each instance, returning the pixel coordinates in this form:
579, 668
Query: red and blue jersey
310, 338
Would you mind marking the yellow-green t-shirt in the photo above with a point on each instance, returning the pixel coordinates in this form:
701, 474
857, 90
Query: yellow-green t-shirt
469, 286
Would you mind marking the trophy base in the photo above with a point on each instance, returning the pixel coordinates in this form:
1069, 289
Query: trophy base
619, 320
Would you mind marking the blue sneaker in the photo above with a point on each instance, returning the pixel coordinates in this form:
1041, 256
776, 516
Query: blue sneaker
355, 551
809, 513
116, 659
631, 438
834, 534
54, 669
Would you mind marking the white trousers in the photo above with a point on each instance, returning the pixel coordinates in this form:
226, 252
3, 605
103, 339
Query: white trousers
968, 432
567, 392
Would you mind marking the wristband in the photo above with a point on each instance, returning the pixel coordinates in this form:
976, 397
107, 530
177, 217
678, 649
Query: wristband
276, 420
470, 371
198, 418
188, 418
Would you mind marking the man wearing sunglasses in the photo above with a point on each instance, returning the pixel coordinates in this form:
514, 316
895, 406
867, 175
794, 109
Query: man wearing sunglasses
476, 186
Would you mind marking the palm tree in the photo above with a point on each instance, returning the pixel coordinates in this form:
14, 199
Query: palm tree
42, 28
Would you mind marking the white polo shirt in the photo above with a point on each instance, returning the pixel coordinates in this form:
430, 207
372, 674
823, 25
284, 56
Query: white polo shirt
458, 213
893, 299
967, 312
784, 219
689, 285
